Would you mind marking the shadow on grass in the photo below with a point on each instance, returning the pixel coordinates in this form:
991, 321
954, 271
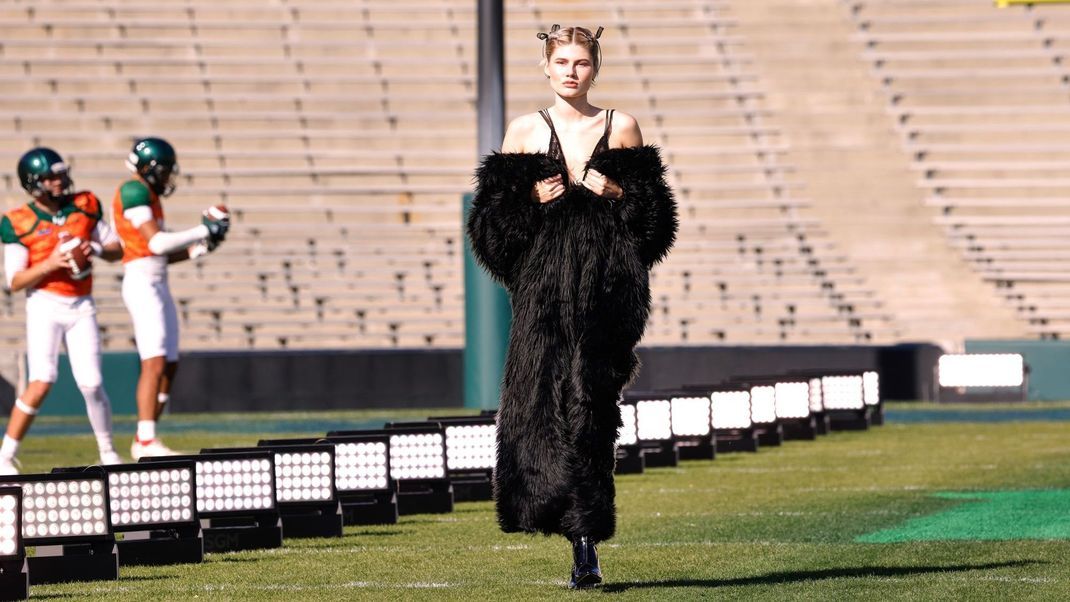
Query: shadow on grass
156, 577
817, 575
235, 559
389, 533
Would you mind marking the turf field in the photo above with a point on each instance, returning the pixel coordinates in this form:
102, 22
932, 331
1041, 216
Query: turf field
941, 503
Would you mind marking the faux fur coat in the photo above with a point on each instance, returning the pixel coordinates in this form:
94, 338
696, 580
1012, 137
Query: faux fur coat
577, 272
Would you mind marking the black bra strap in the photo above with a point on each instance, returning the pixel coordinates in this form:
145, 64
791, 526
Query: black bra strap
546, 117
609, 123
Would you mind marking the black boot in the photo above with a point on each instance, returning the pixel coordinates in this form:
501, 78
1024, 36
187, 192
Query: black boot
585, 569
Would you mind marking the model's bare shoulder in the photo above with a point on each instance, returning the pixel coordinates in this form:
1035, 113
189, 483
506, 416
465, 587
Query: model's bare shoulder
520, 134
626, 132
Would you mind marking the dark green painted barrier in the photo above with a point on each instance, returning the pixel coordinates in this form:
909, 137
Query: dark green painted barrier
120, 370
1048, 361
487, 316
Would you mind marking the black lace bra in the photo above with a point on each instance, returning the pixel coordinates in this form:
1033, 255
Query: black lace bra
555, 152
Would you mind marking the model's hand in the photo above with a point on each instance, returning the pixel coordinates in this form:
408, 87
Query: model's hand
549, 189
602, 186
56, 261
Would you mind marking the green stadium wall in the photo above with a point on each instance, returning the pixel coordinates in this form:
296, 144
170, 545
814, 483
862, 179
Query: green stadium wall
1048, 361
243, 381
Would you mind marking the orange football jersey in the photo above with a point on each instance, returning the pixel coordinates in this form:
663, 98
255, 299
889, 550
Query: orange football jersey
39, 232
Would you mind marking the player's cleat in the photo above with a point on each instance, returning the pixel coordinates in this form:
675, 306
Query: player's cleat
110, 458
585, 570
150, 449
9, 466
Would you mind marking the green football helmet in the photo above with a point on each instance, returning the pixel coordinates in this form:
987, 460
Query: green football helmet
38, 164
155, 161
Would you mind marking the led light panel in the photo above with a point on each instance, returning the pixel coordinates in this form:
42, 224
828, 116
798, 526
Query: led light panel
628, 434
234, 485
690, 416
982, 370
730, 410
763, 404
792, 399
471, 446
417, 456
817, 403
10, 523
149, 496
842, 392
304, 475
63, 508
654, 418
871, 389
361, 466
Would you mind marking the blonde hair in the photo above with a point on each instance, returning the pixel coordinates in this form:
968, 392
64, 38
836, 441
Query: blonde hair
564, 36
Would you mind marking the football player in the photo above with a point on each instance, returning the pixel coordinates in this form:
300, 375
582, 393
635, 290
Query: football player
147, 250
48, 246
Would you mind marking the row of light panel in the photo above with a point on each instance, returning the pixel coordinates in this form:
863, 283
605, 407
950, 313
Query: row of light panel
843, 392
471, 446
304, 476
654, 418
730, 410
417, 456
62, 508
629, 430
689, 416
304, 470
763, 404
981, 370
230, 485
361, 465
10, 522
792, 400
146, 495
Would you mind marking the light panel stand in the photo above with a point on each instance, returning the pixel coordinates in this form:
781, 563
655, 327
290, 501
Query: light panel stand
255, 531
157, 547
14, 579
629, 460
737, 440
92, 561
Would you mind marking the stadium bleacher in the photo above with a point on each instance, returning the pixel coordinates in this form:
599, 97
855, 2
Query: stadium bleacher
344, 149
978, 97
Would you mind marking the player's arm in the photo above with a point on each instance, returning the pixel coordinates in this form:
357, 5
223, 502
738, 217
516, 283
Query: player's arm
137, 209
104, 242
178, 256
18, 273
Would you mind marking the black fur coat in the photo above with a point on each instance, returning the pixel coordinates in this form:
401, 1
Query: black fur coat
577, 272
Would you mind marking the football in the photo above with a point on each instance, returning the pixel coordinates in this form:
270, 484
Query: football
79, 264
217, 213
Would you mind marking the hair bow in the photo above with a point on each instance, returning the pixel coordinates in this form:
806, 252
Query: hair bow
544, 36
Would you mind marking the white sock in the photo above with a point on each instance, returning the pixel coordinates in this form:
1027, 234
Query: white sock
105, 444
9, 448
146, 430
98, 407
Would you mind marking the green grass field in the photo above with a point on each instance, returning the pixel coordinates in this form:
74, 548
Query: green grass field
922, 508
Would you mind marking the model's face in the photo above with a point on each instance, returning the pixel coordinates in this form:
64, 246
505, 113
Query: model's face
571, 70
55, 184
